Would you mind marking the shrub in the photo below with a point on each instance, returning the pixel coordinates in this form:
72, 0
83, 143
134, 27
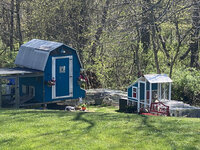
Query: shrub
186, 86
131, 109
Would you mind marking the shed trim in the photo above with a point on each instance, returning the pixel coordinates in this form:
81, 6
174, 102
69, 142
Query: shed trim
70, 77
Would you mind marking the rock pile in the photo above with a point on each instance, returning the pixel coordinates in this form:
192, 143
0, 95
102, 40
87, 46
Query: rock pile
178, 108
104, 96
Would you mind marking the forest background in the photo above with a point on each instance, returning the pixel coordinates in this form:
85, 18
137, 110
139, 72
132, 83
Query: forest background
117, 40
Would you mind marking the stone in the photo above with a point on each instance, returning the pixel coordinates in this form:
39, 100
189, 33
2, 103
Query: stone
180, 109
104, 96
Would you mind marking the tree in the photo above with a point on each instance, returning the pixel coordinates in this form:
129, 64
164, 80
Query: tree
99, 31
18, 18
194, 45
194, 34
11, 26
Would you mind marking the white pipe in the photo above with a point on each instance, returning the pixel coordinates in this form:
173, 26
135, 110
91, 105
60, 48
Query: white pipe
170, 88
138, 97
145, 94
150, 94
164, 91
160, 91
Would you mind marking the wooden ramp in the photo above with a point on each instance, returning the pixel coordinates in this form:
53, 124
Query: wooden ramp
25, 98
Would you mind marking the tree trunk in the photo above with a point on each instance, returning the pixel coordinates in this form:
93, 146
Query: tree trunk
177, 49
137, 62
145, 32
194, 45
163, 43
99, 32
11, 26
5, 26
155, 51
19, 22
153, 30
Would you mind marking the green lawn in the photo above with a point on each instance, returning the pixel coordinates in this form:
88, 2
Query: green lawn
104, 128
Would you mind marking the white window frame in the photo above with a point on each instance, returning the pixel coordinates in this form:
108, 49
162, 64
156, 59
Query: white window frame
134, 87
32, 88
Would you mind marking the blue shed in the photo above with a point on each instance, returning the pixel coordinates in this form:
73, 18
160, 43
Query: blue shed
59, 67
149, 88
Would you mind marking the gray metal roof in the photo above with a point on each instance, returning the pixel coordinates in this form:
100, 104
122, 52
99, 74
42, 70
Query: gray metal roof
34, 54
15, 71
42, 45
157, 78
153, 78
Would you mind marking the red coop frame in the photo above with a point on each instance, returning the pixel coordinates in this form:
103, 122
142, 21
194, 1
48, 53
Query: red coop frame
159, 108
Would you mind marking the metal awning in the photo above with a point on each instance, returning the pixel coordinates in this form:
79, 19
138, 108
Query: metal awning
158, 78
18, 71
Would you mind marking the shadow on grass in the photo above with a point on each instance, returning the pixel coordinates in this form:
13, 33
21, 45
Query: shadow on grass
22, 115
24, 111
158, 127
79, 117
31, 113
152, 129
165, 130
148, 125
54, 133
6, 141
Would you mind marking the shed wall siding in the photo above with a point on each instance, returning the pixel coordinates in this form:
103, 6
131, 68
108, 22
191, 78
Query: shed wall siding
154, 86
130, 92
37, 83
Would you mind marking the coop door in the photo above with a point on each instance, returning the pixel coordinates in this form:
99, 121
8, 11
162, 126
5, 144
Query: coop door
142, 91
62, 72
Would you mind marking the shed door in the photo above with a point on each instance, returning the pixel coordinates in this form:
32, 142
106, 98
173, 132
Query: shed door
62, 72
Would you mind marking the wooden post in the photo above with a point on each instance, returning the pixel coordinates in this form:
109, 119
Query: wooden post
170, 88
17, 97
150, 94
0, 94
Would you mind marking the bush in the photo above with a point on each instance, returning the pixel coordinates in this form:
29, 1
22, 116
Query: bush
131, 109
186, 86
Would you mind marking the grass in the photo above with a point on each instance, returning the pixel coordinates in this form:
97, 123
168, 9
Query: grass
103, 128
